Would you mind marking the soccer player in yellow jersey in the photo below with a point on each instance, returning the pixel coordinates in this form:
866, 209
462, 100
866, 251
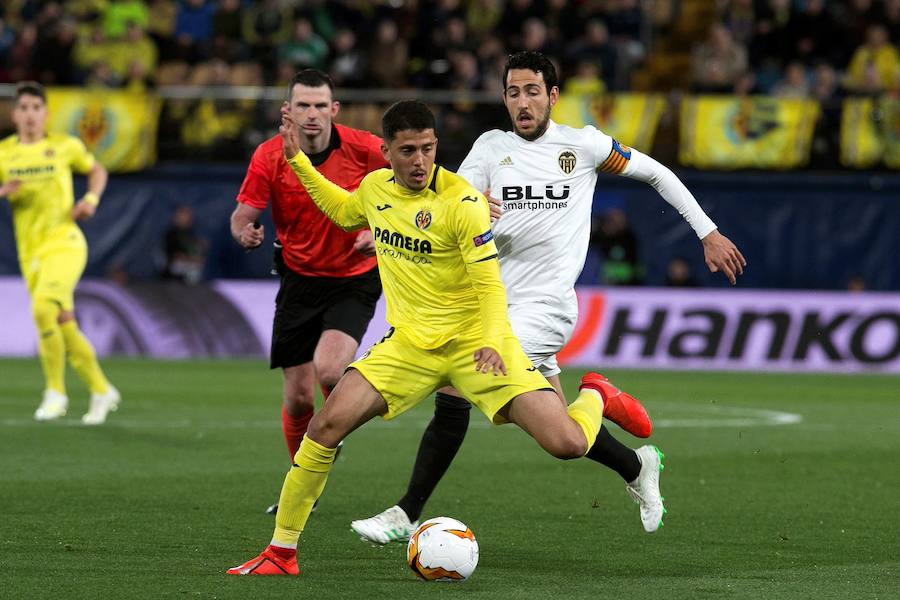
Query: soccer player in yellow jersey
36, 177
447, 307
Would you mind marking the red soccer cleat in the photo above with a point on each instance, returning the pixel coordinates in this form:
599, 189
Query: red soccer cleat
267, 563
622, 409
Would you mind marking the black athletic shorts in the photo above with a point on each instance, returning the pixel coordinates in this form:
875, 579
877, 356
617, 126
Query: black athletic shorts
307, 306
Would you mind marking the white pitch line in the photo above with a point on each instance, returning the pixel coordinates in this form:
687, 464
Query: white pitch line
731, 417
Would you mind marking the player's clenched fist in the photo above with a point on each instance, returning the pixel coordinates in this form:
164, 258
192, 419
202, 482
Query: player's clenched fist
488, 360
251, 235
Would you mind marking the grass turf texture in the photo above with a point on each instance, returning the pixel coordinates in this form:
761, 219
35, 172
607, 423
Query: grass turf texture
171, 492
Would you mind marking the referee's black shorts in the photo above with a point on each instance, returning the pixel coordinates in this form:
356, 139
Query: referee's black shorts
306, 306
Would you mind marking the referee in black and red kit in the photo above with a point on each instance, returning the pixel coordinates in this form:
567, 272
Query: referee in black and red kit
329, 278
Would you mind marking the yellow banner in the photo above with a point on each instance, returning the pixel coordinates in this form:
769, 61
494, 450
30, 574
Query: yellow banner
870, 133
722, 132
629, 118
119, 128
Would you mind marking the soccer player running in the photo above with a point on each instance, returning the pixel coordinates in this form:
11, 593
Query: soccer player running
329, 277
36, 176
447, 308
545, 174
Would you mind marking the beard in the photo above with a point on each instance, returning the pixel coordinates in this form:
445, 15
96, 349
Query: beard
538, 131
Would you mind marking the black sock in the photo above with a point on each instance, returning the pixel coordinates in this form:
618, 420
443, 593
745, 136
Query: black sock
612, 453
440, 442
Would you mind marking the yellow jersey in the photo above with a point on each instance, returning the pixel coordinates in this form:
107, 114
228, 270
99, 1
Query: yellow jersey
435, 249
41, 206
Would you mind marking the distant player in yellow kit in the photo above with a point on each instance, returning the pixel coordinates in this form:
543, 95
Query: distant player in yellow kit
36, 177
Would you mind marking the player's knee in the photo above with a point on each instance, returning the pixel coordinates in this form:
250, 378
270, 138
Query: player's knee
45, 312
299, 402
324, 430
569, 447
329, 374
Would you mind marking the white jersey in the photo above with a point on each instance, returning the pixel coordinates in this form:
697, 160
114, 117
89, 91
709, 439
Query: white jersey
547, 190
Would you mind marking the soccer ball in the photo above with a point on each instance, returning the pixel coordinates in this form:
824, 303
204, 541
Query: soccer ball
442, 549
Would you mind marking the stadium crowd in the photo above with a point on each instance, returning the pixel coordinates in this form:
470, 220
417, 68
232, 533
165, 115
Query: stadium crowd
797, 48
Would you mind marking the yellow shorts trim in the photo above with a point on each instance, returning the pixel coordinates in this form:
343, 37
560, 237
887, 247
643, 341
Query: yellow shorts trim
405, 374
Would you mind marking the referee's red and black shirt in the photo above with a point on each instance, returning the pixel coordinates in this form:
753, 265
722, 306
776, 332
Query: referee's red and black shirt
313, 245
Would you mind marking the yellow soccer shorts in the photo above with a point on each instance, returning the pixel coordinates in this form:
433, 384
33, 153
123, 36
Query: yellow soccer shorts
405, 374
54, 269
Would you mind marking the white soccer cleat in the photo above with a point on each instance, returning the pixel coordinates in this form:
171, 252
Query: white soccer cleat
390, 526
101, 405
645, 489
53, 406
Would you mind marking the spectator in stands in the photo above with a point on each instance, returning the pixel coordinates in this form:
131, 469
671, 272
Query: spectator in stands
227, 42
719, 62
193, 29
794, 84
22, 54
119, 14
875, 64
891, 19
161, 18
306, 49
265, 25
678, 273
90, 49
482, 17
185, 250
612, 235
135, 47
586, 81
54, 55
813, 32
388, 57
347, 67
596, 48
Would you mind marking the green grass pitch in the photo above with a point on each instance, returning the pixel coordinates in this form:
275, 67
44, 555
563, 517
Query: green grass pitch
777, 486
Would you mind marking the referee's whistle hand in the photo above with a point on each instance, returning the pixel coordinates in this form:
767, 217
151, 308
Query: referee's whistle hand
252, 236
487, 360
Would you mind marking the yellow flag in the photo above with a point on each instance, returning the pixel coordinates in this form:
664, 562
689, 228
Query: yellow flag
118, 127
630, 118
861, 145
890, 131
725, 132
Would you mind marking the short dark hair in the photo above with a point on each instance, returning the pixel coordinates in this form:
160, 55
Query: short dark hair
406, 115
311, 78
533, 61
30, 88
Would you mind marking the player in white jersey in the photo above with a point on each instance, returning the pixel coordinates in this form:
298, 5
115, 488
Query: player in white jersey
543, 175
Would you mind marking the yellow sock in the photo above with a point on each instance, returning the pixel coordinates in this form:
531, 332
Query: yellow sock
587, 411
302, 487
51, 347
83, 358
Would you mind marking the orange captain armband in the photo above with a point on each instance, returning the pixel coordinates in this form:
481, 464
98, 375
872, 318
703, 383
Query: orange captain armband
617, 160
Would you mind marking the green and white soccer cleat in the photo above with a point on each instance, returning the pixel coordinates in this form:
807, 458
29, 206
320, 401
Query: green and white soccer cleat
53, 406
390, 526
102, 405
645, 489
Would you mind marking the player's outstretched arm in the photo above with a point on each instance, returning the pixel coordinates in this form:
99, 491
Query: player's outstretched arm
719, 252
337, 203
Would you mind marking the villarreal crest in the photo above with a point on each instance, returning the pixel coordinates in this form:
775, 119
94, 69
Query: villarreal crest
423, 219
